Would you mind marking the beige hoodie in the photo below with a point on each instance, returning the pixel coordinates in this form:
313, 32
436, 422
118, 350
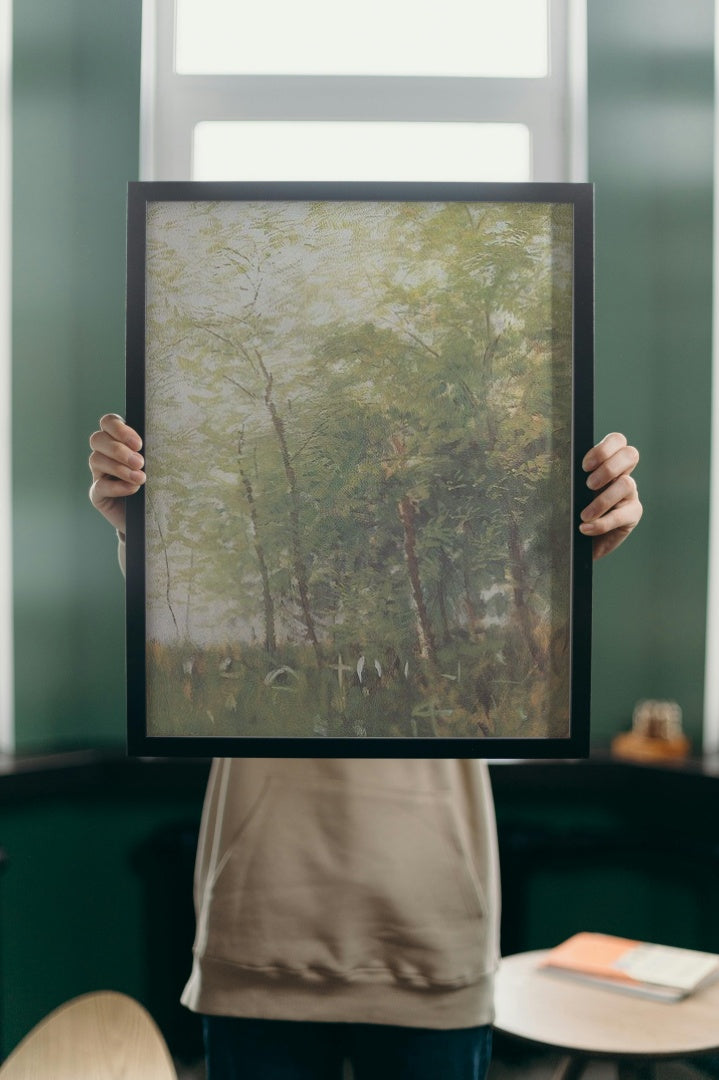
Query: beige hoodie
347, 890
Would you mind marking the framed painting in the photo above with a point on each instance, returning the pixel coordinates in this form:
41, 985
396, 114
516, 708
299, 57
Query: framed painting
364, 408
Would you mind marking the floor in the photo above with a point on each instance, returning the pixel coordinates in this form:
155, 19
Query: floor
509, 1063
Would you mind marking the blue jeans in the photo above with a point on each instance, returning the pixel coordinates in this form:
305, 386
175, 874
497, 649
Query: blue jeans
243, 1049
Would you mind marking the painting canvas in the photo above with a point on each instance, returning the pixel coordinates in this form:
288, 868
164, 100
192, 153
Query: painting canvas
362, 409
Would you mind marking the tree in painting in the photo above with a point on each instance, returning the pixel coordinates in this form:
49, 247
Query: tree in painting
358, 419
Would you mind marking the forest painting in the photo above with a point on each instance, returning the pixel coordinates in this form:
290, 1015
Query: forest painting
358, 435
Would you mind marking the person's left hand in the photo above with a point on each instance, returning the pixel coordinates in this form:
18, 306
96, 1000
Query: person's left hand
610, 517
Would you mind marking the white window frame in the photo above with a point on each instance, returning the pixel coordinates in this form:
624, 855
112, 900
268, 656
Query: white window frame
553, 108
7, 721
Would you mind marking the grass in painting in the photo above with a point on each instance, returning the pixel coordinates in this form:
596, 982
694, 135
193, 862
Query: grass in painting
239, 691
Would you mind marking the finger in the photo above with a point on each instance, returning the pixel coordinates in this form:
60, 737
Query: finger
113, 450
622, 461
116, 427
107, 489
109, 496
623, 489
603, 450
103, 466
625, 515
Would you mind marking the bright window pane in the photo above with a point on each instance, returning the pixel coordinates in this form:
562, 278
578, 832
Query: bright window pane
279, 150
498, 38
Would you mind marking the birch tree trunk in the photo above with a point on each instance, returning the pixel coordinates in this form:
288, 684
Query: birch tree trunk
268, 604
427, 644
298, 562
521, 588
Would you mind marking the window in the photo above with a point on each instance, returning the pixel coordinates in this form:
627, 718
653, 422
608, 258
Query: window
360, 150
403, 38
292, 91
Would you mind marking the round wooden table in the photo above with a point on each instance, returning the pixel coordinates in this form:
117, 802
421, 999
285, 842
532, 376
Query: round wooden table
98, 1036
587, 1022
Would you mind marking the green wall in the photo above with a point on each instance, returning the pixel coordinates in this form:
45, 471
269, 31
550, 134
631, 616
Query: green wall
76, 90
75, 146
77, 899
650, 156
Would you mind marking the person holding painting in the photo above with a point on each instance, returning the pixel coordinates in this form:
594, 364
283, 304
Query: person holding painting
348, 909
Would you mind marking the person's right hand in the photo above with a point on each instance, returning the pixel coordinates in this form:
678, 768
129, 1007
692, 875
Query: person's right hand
116, 468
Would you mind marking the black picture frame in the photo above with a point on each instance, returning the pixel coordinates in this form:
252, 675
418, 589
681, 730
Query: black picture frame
183, 271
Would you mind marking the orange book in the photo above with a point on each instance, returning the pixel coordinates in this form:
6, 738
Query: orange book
662, 972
